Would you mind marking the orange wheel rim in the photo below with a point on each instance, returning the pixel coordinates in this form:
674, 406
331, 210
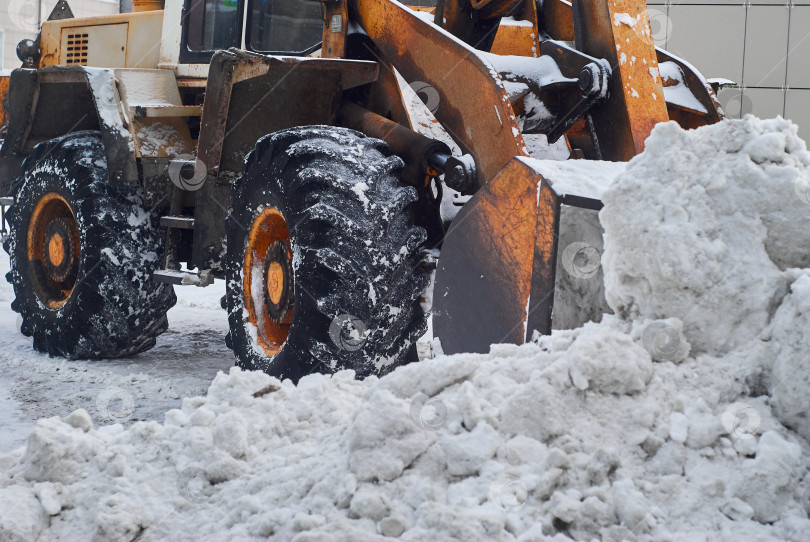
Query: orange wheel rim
53, 250
267, 279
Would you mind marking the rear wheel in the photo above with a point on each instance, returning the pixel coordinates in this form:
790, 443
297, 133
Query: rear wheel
82, 255
323, 258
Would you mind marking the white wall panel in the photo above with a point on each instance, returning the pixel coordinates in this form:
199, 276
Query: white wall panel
797, 109
765, 102
766, 40
764, 46
799, 59
711, 38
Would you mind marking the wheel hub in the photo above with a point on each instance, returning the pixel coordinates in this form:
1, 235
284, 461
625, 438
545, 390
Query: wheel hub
268, 280
60, 250
53, 250
278, 281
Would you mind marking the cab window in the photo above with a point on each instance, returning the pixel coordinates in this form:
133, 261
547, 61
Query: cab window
284, 26
211, 25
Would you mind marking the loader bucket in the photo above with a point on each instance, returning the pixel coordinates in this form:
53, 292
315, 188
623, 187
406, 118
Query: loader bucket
523, 255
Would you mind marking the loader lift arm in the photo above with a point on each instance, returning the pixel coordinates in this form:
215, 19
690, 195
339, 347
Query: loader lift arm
613, 55
422, 52
496, 276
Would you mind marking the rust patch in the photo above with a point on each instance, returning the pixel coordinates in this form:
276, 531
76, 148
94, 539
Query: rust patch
556, 19
515, 39
335, 24
619, 31
3, 100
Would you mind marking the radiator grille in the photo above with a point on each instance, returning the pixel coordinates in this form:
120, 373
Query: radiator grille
77, 49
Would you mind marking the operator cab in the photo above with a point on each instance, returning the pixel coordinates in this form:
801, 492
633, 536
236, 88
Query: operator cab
283, 27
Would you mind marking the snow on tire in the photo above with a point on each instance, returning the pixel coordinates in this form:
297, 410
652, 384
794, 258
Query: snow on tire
354, 251
110, 305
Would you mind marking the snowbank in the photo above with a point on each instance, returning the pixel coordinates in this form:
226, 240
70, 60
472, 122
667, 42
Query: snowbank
523, 441
657, 423
703, 225
790, 343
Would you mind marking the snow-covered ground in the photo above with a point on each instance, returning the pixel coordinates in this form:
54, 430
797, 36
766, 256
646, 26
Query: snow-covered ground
186, 358
684, 416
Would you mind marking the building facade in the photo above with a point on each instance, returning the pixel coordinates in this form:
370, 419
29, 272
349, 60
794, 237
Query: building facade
761, 45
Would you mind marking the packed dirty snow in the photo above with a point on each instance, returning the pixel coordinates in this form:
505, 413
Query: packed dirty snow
675, 419
124, 390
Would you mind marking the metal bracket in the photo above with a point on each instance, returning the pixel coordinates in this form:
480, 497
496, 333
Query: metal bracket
61, 11
459, 171
569, 84
4, 230
185, 278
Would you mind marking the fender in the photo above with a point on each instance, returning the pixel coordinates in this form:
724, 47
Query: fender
52, 101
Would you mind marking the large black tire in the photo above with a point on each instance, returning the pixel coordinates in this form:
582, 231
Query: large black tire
115, 308
357, 278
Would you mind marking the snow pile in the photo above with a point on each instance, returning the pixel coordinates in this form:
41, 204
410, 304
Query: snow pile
703, 225
710, 227
789, 343
522, 442
649, 425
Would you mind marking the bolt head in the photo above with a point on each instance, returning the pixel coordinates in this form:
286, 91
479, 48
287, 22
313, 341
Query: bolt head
585, 80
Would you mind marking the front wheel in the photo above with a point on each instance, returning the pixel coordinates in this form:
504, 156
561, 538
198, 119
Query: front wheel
323, 258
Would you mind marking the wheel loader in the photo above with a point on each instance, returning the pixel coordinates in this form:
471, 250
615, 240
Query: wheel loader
271, 144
